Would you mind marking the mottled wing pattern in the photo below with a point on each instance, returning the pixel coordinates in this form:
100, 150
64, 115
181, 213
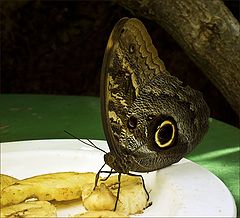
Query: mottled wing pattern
150, 119
130, 61
164, 98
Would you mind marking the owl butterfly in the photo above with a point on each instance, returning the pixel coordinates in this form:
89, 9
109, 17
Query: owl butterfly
150, 119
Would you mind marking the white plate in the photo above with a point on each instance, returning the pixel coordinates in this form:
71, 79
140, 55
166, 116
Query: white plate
183, 189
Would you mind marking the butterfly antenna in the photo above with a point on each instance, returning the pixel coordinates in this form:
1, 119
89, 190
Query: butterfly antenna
89, 144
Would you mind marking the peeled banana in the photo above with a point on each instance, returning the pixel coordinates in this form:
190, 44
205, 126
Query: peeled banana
101, 214
132, 199
29, 209
55, 186
6, 181
64, 186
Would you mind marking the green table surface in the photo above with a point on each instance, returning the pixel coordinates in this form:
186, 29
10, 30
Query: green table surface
27, 117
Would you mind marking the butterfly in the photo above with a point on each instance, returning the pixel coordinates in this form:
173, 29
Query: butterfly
150, 119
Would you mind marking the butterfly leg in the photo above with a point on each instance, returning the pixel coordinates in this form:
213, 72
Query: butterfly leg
97, 176
143, 182
118, 192
109, 174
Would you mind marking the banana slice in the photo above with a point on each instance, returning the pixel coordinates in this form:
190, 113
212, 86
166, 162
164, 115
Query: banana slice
6, 181
56, 186
100, 199
29, 209
101, 214
132, 198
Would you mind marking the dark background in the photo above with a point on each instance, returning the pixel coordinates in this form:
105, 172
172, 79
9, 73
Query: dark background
57, 47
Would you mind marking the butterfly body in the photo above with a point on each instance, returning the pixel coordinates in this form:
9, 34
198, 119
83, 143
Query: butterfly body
150, 119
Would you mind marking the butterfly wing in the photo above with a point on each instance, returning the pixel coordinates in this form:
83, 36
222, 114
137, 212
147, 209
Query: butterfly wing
130, 61
150, 120
169, 121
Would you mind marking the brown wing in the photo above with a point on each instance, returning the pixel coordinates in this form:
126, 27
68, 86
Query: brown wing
130, 61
